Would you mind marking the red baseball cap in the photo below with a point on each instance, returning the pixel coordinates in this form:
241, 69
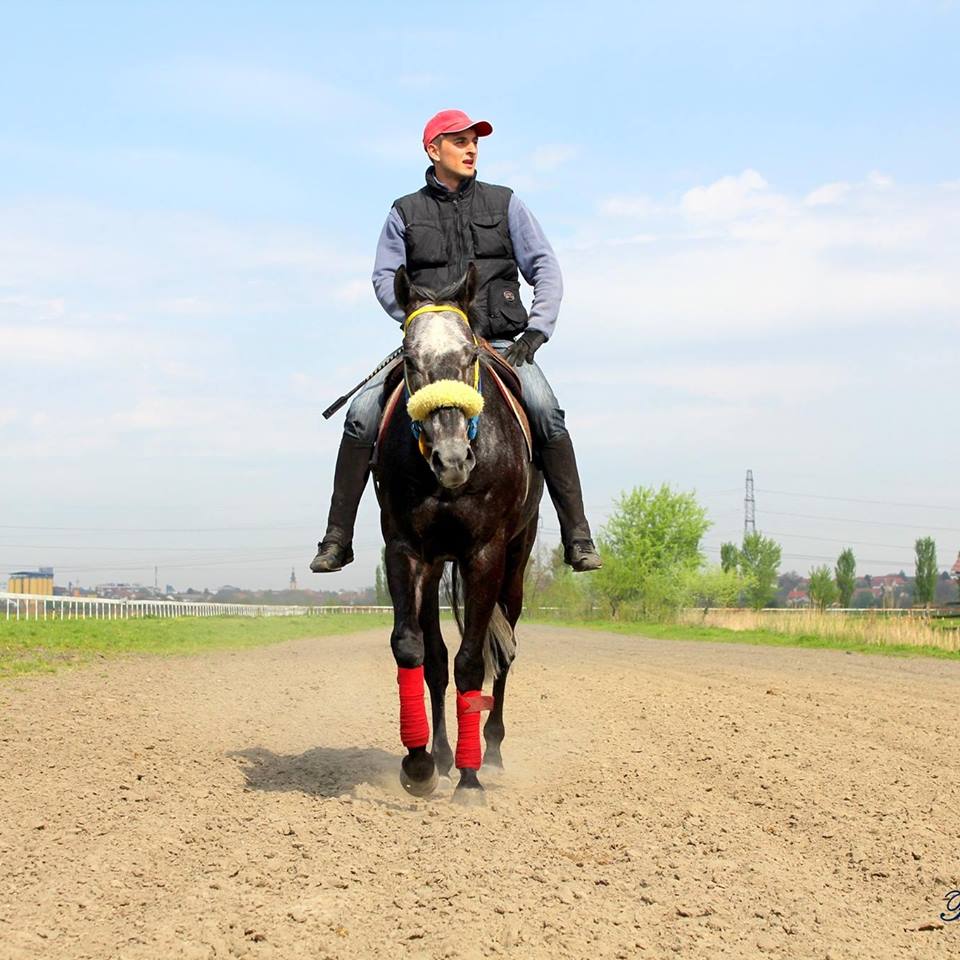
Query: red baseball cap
453, 121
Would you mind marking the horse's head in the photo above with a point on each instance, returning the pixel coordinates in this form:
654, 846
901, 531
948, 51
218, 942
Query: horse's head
441, 366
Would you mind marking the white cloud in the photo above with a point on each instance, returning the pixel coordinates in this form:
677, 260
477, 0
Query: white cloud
45, 344
173, 328
30, 308
226, 86
737, 257
731, 197
731, 381
625, 205
530, 173
355, 291
550, 157
178, 266
829, 193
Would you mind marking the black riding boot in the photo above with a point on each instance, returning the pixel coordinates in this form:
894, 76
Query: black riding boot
563, 482
335, 550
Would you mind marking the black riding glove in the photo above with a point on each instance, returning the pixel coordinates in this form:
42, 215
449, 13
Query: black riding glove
521, 351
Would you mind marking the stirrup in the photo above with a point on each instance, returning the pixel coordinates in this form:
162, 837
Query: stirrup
582, 556
331, 556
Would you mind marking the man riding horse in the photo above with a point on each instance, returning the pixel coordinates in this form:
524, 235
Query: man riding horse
452, 221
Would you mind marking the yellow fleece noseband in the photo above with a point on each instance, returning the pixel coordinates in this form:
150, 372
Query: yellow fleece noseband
445, 393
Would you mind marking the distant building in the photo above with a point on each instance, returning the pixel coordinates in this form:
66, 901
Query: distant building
123, 591
798, 598
39, 582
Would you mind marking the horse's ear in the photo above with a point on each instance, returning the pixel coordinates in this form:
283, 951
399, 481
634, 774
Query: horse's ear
401, 288
468, 287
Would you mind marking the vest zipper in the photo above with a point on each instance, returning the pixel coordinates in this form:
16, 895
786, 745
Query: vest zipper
462, 270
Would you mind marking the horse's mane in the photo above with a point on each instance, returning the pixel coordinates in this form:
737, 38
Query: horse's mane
448, 294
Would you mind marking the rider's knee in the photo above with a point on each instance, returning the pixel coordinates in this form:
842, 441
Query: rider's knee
361, 422
548, 424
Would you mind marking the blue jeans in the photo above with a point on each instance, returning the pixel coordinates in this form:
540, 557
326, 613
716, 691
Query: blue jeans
546, 418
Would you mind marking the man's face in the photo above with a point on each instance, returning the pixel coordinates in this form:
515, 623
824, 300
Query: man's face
455, 154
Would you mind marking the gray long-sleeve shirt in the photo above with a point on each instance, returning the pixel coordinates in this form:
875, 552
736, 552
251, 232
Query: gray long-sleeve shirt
535, 257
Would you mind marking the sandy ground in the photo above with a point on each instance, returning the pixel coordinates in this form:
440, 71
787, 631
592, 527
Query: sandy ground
660, 799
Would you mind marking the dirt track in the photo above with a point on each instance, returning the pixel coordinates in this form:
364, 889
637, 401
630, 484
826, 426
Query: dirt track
660, 799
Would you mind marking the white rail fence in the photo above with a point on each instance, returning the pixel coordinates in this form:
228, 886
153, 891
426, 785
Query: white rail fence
31, 606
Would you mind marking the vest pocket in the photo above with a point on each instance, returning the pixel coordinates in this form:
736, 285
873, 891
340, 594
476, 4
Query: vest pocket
425, 246
491, 237
508, 315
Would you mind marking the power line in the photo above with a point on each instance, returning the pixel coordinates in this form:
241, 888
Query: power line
869, 523
187, 550
856, 543
287, 526
805, 556
878, 503
176, 566
809, 556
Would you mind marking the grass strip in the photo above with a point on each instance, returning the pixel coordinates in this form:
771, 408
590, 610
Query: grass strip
679, 631
45, 645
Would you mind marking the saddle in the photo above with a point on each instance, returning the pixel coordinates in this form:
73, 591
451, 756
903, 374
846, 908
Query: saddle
492, 364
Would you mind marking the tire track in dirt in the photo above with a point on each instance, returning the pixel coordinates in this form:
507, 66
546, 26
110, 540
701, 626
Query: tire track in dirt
661, 798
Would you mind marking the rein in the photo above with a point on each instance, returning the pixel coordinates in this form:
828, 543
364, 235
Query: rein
444, 393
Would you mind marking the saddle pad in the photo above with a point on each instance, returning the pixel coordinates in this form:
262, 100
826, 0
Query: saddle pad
388, 409
514, 404
509, 376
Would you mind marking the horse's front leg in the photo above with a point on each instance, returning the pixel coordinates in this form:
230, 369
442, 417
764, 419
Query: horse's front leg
405, 578
482, 575
436, 669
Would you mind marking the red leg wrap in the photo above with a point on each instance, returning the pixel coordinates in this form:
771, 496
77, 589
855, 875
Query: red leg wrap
469, 705
414, 729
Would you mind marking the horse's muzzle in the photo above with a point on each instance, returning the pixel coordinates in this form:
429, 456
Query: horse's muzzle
452, 463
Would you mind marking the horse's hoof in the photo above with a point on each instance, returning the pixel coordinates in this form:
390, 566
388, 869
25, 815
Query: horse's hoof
469, 790
493, 760
470, 796
421, 786
446, 783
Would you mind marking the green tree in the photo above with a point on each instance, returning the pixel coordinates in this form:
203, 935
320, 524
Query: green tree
729, 557
846, 575
714, 587
926, 581
549, 582
823, 591
536, 578
864, 600
380, 587
650, 545
759, 560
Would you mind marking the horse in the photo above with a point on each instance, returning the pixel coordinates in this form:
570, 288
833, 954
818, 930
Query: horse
455, 483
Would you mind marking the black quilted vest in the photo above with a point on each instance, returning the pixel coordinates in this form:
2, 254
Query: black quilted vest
446, 231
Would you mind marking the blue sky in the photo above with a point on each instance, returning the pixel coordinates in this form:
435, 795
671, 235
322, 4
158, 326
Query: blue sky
756, 207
